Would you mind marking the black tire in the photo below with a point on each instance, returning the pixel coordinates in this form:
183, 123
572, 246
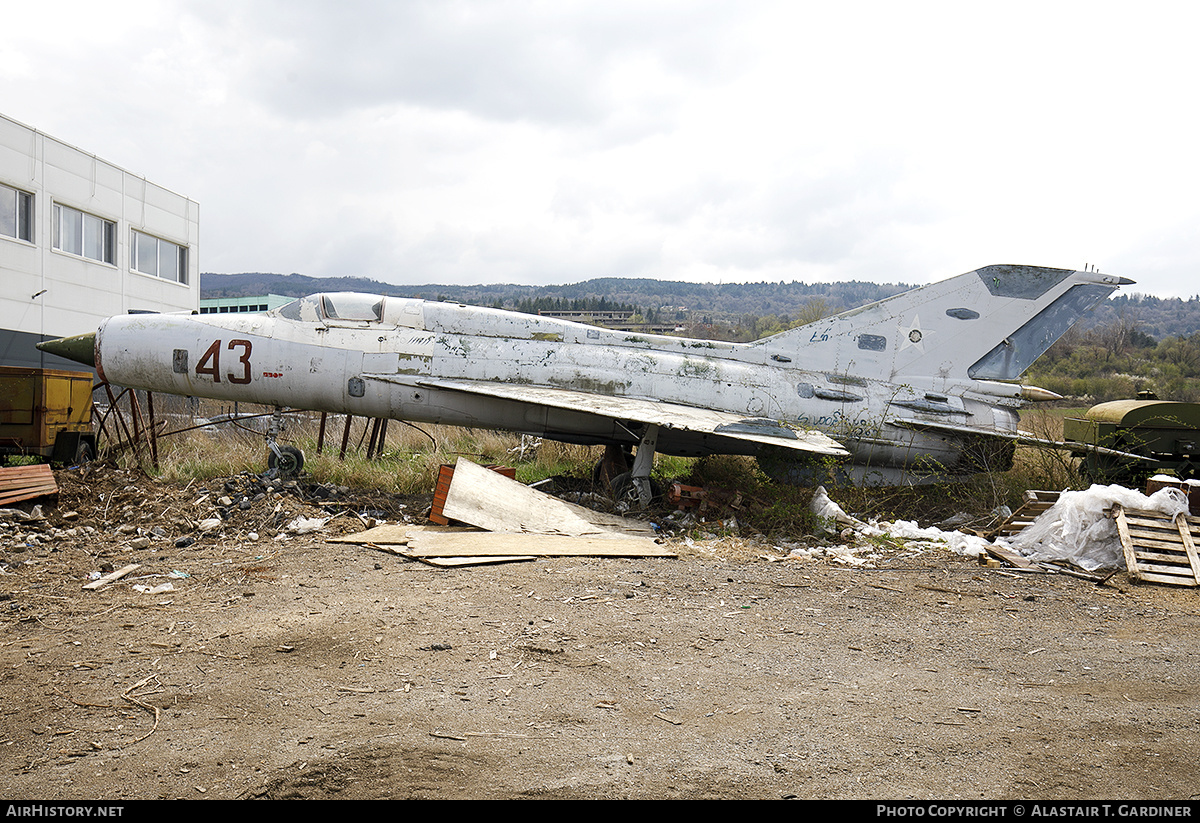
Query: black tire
289, 461
84, 453
598, 468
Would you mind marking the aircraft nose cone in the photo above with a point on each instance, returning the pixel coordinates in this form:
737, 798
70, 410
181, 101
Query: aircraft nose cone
81, 348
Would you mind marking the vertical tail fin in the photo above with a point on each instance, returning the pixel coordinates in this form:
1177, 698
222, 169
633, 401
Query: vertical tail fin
988, 324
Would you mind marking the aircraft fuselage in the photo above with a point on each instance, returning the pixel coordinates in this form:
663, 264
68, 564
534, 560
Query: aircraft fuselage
921, 383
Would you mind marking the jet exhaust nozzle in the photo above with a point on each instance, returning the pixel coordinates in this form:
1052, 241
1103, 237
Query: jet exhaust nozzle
80, 347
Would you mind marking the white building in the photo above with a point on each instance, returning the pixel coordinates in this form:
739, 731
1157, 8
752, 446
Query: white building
81, 240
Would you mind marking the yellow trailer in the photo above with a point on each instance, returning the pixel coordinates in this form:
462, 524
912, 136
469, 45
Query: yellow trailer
46, 412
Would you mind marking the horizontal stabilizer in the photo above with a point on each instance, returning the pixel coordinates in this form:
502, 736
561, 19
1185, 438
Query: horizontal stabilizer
1021, 438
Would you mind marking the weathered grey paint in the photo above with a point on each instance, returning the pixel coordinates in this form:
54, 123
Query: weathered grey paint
892, 382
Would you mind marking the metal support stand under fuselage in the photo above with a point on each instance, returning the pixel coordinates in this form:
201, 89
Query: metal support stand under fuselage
643, 462
273, 429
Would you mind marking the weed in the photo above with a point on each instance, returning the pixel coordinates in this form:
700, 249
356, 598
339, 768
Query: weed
412, 456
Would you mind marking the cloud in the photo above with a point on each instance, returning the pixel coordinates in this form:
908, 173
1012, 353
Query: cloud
553, 63
548, 142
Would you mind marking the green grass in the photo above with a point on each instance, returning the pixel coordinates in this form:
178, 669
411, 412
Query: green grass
412, 456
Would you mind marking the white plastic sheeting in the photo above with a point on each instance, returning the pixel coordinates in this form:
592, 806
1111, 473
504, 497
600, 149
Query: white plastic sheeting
837, 521
1076, 530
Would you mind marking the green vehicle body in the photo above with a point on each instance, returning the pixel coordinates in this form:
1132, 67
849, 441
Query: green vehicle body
1163, 433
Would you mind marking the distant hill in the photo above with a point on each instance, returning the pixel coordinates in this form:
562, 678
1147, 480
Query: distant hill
740, 305
720, 300
1156, 317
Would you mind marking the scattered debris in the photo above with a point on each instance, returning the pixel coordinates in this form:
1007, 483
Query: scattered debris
1101, 528
831, 515
523, 524
1189, 487
1001, 552
161, 588
702, 499
838, 522
456, 562
390, 534
16, 514
108, 578
157, 712
307, 525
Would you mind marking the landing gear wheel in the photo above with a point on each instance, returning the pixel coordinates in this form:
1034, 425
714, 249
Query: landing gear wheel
624, 490
289, 461
84, 452
616, 460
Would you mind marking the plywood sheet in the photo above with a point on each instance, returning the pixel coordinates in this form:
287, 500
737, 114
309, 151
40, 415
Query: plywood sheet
484, 544
491, 501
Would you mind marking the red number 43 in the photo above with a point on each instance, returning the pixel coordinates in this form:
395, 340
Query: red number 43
210, 362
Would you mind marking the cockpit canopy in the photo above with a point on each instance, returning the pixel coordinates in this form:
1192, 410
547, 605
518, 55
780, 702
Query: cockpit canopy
334, 307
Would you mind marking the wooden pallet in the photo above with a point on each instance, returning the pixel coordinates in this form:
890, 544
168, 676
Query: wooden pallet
1036, 503
26, 482
1159, 549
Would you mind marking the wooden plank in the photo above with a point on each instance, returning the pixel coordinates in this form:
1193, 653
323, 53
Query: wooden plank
1036, 504
491, 544
108, 578
395, 534
1180, 573
1168, 579
1131, 563
390, 534
12, 476
27, 494
1163, 557
1155, 542
26, 482
1013, 558
1157, 549
491, 501
1189, 546
25, 485
1161, 527
457, 562
32, 470
1164, 530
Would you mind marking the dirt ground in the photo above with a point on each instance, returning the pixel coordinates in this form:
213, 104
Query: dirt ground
298, 668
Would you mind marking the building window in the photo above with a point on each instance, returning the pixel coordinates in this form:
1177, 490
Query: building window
86, 235
16, 214
160, 258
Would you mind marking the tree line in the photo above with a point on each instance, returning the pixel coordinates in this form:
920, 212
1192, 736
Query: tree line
1118, 359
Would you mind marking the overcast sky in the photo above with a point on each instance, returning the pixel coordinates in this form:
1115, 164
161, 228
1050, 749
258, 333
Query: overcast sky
531, 142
